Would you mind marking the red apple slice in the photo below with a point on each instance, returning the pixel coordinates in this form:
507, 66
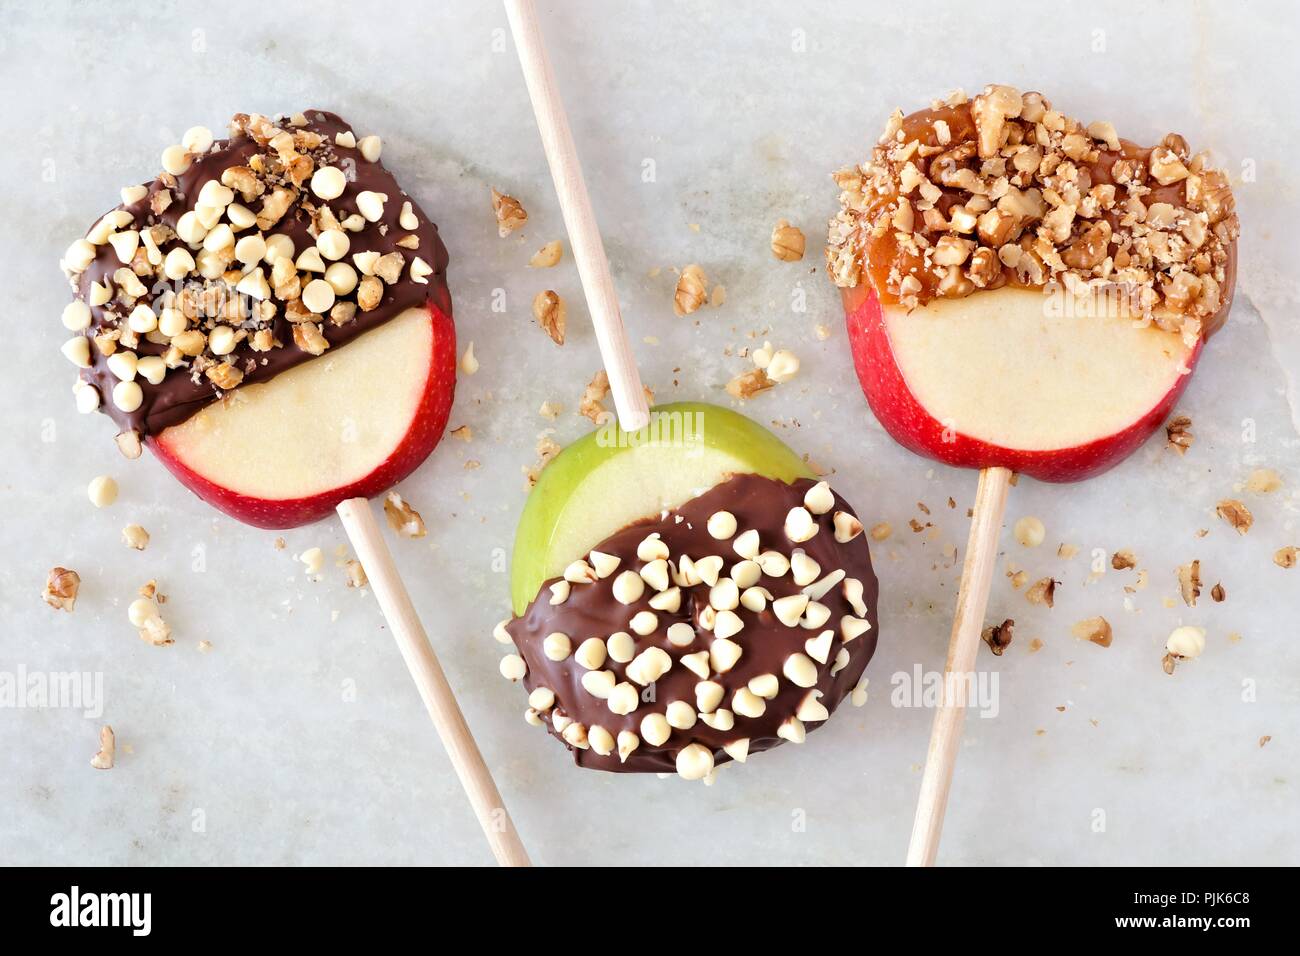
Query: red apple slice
1009, 377
352, 422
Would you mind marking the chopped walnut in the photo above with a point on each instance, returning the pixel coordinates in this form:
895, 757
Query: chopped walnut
1263, 481
128, 443
1236, 514
1123, 560
356, 574
134, 536
61, 587
998, 636
308, 337
402, 518
549, 311
226, 376
691, 292
1042, 591
589, 406
156, 631
750, 383
1179, 434
1189, 582
881, 531
462, 433
787, 242
510, 214
547, 256
103, 759
1286, 557
1095, 629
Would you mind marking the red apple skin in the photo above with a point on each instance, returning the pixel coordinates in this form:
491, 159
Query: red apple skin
915, 429
421, 438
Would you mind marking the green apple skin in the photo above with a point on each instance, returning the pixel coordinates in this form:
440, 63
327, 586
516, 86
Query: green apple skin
609, 479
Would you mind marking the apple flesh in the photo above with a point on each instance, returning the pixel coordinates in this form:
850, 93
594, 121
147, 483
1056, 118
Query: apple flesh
610, 479
352, 422
1005, 378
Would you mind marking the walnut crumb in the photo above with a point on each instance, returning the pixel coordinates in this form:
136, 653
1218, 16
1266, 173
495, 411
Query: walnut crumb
1189, 582
589, 406
750, 383
1236, 514
509, 212
691, 292
1263, 481
1095, 629
1123, 560
103, 759
402, 518
463, 433
134, 536
547, 256
787, 242
1283, 557
1179, 434
61, 587
881, 531
549, 311
1042, 591
356, 574
998, 637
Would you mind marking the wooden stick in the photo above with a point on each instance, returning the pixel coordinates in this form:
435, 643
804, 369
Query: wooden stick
972, 599
359, 522
584, 234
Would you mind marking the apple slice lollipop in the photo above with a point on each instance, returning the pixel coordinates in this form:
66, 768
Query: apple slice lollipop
696, 554
1023, 292
749, 605
204, 300
271, 316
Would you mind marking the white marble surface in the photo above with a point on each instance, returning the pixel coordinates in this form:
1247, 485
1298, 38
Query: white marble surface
256, 739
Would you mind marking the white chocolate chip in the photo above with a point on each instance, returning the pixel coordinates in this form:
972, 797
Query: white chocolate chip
655, 730
847, 527
725, 595
87, 397
789, 609
727, 624
560, 721
746, 545
792, 729
697, 663
178, 264
1029, 531
627, 742
420, 271
580, 572
803, 569
216, 240
601, 740
819, 499
407, 218
365, 262
755, 599
746, 573
141, 610
77, 351
255, 285
221, 340
723, 655
197, 139
126, 243
819, 647
819, 589
648, 666
800, 670
694, 762
604, 564
853, 594
599, 684
175, 160
318, 296
685, 573
591, 653
669, 601
500, 634
842, 658
133, 194
799, 524
722, 524
852, 627
655, 574
783, 366
371, 204
774, 563
250, 249
142, 320
328, 182
215, 195
575, 734
533, 719
681, 634
513, 667
811, 709
560, 592
766, 686
128, 396
815, 616
737, 750
721, 719
623, 699
542, 698
309, 260
708, 695
859, 695
278, 246
680, 715
557, 646
102, 491
123, 365
748, 704
152, 369
79, 256
628, 588
620, 647
644, 623
333, 244
652, 547
370, 148
709, 568
1186, 642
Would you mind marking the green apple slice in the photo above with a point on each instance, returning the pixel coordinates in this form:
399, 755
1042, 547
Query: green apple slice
609, 479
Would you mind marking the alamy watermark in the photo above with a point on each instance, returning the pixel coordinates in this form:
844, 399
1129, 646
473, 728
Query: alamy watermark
74, 690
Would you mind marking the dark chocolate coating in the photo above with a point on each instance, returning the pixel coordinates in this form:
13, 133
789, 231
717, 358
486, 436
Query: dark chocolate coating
592, 611
178, 397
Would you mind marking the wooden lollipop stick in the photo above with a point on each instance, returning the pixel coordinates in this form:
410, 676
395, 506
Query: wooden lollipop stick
359, 522
972, 599
584, 234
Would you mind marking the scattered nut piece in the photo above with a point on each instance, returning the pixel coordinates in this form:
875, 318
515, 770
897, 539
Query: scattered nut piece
510, 214
589, 406
61, 587
1189, 582
1095, 629
1123, 560
103, 759
1042, 591
1263, 481
549, 311
1236, 514
134, 536
468, 363
998, 636
1286, 557
691, 292
1029, 531
313, 559
787, 242
547, 256
402, 518
463, 433
748, 384
881, 531
1178, 432
356, 574
1218, 594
